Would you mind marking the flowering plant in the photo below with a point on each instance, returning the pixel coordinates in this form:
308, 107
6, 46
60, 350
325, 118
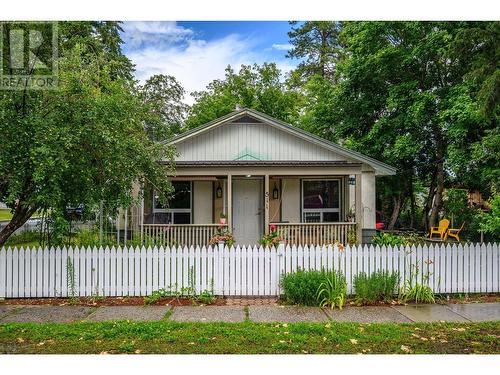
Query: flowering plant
223, 234
273, 238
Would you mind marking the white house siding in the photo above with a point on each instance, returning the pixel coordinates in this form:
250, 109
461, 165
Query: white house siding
202, 199
240, 141
290, 205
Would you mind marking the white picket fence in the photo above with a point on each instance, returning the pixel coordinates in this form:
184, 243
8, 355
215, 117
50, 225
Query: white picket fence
239, 271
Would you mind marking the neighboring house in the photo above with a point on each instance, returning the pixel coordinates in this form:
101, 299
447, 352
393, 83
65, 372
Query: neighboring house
260, 171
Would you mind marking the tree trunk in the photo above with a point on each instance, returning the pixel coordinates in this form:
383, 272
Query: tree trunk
396, 208
21, 215
438, 196
428, 202
413, 213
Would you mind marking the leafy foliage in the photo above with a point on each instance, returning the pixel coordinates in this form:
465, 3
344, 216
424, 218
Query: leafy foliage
418, 293
316, 44
82, 143
163, 97
378, 286
258, 87
302, 287
414, 95
332, 291
383, 238
491, 221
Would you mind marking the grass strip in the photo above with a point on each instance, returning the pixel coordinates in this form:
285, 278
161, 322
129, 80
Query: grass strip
249, 338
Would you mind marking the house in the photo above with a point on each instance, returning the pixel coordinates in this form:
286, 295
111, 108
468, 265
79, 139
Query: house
258, 171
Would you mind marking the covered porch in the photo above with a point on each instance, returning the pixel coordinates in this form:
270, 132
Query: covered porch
306, 202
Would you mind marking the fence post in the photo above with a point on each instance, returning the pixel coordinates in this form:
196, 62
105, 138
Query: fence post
220, 260
281, 265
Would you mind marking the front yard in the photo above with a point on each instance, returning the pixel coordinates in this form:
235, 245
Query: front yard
249, 338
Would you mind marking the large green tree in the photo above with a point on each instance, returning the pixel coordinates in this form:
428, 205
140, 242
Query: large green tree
258, 87
316, 44
83, 142
412, 94
163, 96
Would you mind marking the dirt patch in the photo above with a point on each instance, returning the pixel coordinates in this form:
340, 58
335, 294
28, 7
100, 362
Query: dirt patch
105, 301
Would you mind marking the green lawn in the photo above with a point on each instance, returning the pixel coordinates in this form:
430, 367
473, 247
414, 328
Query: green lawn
6, 215
249, 338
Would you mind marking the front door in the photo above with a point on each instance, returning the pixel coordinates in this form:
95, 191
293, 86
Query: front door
247, 210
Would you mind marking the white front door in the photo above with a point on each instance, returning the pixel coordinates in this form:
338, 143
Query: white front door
247, 210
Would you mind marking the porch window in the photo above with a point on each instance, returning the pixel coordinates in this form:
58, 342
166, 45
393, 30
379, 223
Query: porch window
179, 208
321, 201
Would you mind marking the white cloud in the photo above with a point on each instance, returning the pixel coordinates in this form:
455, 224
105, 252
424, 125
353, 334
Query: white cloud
196, 62
282, 47
138, 33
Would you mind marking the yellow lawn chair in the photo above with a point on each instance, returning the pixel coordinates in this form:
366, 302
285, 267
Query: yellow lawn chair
441, 230
454, 232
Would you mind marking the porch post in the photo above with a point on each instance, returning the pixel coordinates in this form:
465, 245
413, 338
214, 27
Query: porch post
230, 202
359, 209
266, 204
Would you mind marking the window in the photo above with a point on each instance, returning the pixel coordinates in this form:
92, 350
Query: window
321, 201
178, 210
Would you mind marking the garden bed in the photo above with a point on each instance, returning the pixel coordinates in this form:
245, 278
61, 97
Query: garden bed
106, 301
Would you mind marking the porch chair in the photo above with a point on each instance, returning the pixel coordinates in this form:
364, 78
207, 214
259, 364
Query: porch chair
454, 232
441, 229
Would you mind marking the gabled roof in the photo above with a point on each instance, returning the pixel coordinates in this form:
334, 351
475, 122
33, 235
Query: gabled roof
380, 168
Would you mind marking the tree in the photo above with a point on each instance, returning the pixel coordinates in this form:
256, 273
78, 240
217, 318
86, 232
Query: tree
164, 96
404, 94
82, 143
317, 43
257, 87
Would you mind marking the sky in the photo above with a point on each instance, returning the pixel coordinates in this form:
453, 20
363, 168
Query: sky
196, 53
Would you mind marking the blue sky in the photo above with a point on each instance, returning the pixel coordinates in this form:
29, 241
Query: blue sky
198, 52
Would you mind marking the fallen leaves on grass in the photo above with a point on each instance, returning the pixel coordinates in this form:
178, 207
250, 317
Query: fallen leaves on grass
405, 349
353, 341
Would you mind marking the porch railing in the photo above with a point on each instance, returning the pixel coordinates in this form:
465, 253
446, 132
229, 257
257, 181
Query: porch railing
317, 233
180, 234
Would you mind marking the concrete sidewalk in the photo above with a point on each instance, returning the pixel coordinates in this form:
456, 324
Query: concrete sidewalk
479, 312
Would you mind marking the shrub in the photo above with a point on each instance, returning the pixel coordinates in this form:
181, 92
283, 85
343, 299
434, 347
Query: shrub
388, 239
490, 222
393, 239
332, 290
379, 286
418, 293
301, 287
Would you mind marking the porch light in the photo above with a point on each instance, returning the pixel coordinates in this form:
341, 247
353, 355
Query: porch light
218, 191
249, 175
352, 180
275, 192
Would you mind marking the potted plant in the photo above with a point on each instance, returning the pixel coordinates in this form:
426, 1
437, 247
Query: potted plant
223, 235
273, 238
222, 218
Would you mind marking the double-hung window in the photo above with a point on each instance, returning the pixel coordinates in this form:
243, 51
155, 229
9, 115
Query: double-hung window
179, 208
321, 201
